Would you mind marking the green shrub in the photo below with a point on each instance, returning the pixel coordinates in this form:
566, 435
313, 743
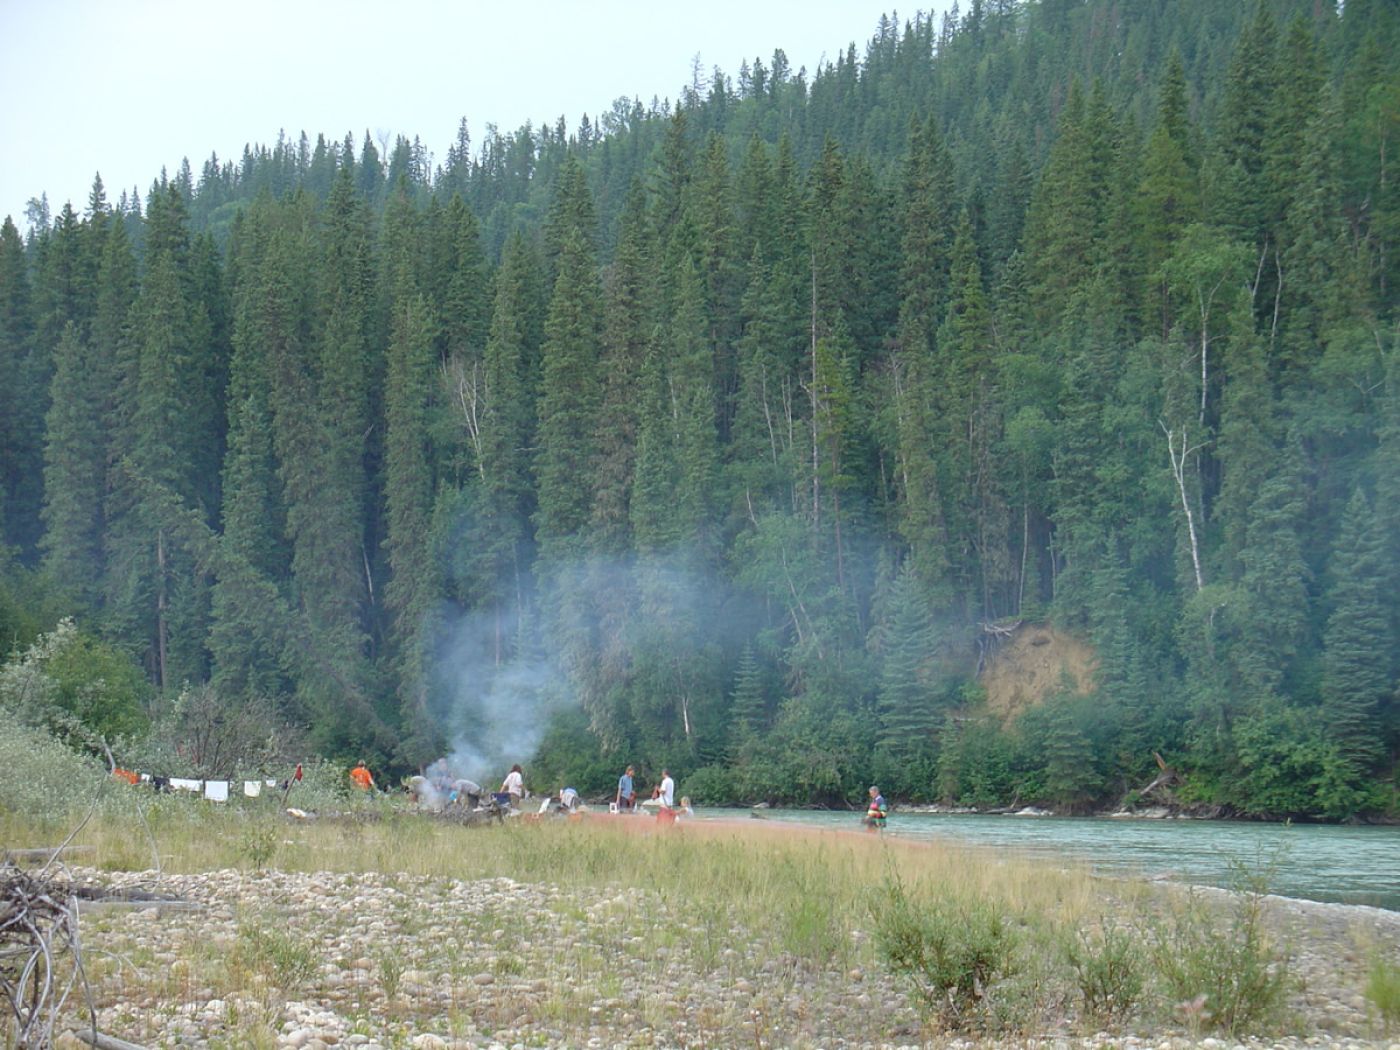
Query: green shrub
286, 961
43, 780
74, 686
951, 952
1227, 974
258, 843
711, 786
1107, 964
390, 966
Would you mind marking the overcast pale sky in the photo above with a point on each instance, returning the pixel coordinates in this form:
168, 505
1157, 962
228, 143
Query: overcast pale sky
124, 87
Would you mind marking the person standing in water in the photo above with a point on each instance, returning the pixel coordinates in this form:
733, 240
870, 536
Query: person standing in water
876, 810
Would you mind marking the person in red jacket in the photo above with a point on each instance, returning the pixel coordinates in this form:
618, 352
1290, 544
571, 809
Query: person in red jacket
361, 776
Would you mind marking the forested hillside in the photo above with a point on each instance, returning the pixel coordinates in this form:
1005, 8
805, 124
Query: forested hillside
741, 433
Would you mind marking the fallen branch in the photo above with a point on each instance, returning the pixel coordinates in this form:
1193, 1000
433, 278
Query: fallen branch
40, 852
1162, 783
104, 1042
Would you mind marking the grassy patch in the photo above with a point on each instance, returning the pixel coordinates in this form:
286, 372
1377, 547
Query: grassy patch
1383, 991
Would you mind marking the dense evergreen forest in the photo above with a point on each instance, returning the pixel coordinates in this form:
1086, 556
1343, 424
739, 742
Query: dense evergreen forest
741, 433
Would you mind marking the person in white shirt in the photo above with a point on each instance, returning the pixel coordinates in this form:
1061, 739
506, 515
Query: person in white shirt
667, 792
514, 785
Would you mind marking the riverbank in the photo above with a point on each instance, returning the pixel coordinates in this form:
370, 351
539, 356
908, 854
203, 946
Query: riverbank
1351, 864
1156, 812
317, 960
617, 933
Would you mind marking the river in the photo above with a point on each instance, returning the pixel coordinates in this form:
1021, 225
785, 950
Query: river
1320, 862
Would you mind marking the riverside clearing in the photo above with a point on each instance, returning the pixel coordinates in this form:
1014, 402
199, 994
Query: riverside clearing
616, 933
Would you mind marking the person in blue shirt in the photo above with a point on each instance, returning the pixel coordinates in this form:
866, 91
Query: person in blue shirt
626, 793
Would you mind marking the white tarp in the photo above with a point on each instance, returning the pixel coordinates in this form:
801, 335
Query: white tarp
216, 790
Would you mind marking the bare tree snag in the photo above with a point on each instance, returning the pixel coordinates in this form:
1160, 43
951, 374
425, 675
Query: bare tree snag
1178, 460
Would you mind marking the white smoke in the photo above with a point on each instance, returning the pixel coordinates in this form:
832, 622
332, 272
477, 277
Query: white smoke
494, 686
494, 714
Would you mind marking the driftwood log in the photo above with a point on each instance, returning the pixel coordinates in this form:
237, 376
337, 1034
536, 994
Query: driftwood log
41, 963
992, 638
1161, 785
104, 1042
44, 853
40, 953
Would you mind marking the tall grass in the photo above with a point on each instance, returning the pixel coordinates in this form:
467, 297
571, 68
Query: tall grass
1383, 991
985, 941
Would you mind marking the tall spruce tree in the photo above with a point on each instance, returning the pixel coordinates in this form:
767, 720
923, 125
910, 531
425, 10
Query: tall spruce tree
16, 326
569, 398
75, 476
1356, 665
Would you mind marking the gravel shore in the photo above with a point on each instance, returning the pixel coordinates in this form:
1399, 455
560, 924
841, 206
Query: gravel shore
383, 961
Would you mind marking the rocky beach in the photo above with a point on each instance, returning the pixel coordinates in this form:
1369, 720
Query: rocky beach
319, 959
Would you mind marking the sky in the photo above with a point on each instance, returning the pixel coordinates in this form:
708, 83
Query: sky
126, 88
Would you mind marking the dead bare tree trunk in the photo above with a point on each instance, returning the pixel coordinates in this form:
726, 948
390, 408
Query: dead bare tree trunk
1178, 460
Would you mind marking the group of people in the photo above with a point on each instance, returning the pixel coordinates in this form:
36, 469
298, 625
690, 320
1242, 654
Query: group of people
663, 794
436, 789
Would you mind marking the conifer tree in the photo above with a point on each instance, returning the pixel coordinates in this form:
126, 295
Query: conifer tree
968, 382
152, 586
827, 233
747, 704
466, 300
690, 389
1271, 617
1064, 219
268, 311
719, 270
927, 221
908, 716
1251, 86
629, 324
18, 398
1248, 432
1356, 663
1319, 286
328, 559
572, 212
1167, 201
507, 421
569, 398
75, 476
656, 525
337, 372
413, 589
761, 448
1070, 777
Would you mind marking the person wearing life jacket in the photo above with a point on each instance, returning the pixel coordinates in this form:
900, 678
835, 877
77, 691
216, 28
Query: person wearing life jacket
876, 810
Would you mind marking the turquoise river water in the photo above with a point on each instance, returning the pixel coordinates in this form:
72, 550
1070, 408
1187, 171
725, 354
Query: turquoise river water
1321, 862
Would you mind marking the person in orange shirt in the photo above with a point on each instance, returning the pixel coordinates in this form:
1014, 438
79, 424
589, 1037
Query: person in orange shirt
361, 776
